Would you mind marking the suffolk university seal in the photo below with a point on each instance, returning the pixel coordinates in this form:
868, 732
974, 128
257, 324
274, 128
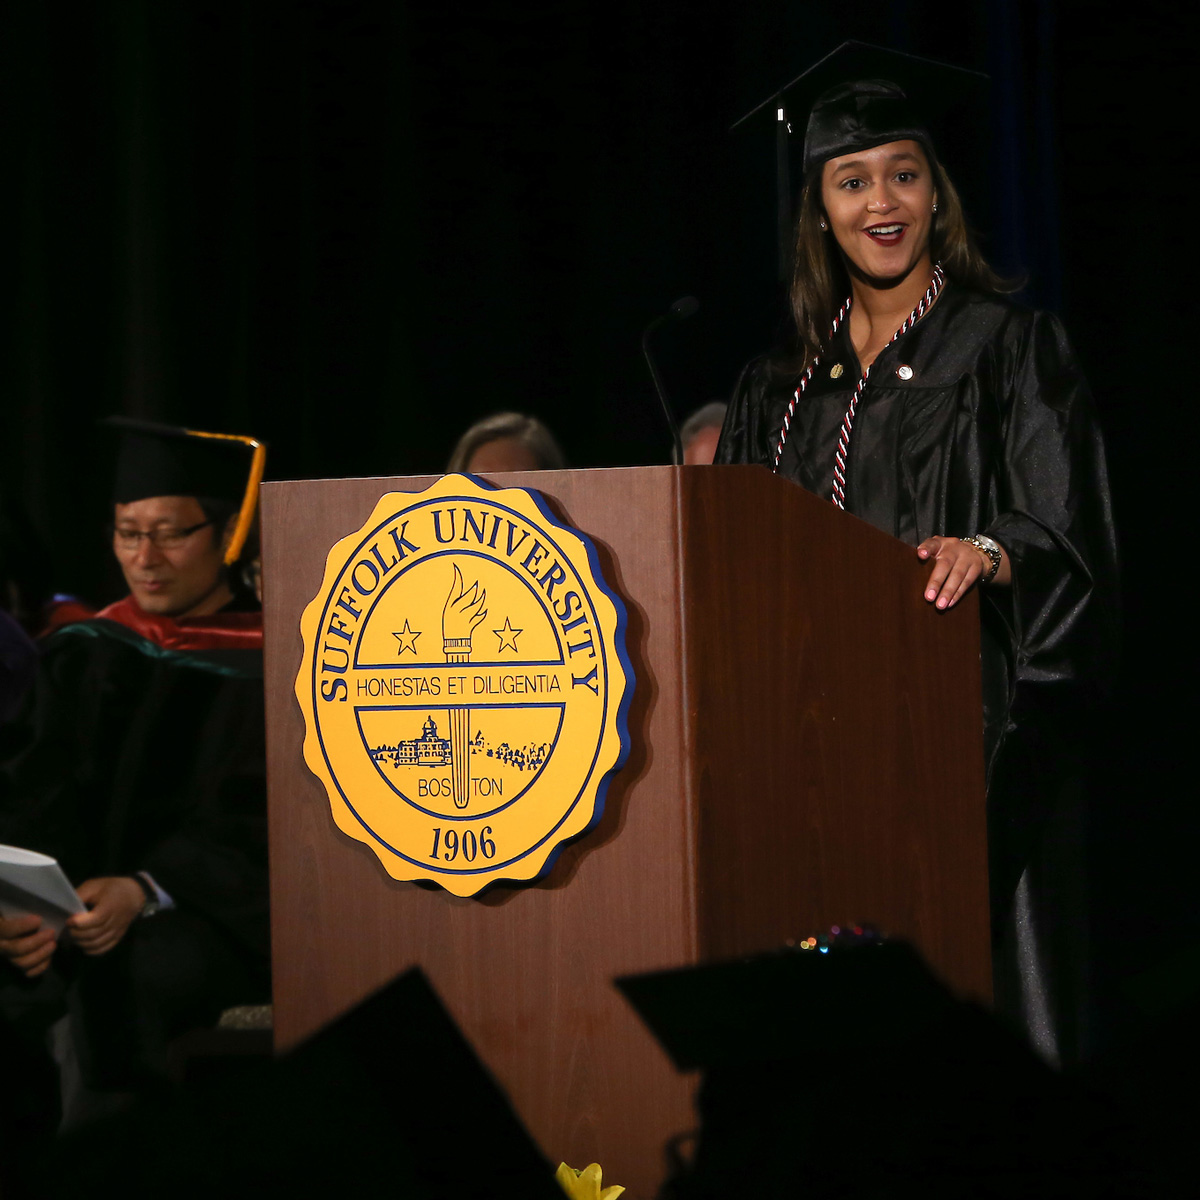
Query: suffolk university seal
464, 684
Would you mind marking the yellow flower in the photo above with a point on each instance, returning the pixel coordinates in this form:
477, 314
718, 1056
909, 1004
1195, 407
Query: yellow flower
585, 1184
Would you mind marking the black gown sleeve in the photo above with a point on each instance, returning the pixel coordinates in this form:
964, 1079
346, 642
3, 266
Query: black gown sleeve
1050, 641
1055, 521
746, 436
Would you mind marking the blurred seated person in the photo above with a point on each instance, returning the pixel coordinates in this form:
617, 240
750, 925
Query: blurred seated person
24, 565
701, 432
138, 761
27, 610
63, 609
18, 664
507, 441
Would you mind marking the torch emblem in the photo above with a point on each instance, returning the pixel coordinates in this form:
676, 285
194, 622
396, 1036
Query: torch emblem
463, 613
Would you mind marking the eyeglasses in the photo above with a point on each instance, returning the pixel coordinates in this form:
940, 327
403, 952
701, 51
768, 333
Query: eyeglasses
163, 538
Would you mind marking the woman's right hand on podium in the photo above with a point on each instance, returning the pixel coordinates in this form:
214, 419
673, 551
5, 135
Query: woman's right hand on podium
957, 567
27, 944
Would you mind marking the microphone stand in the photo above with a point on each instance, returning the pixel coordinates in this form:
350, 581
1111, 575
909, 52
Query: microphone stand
683, 308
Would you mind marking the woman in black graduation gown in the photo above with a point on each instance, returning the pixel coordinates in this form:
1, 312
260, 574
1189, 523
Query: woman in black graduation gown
918, 397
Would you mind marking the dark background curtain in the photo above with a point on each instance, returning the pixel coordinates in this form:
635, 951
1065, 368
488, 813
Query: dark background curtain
352, 228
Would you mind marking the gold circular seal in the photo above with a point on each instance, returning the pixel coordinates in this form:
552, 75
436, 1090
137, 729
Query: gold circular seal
464, 684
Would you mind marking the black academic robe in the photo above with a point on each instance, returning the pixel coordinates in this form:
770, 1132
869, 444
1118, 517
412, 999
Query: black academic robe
991, 430
142, 748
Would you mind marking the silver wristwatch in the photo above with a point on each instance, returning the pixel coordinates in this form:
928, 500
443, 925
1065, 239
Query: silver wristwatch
980, 542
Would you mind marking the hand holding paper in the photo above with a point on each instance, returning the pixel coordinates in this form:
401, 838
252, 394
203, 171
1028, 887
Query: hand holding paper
32, 885
27, 943
113, 903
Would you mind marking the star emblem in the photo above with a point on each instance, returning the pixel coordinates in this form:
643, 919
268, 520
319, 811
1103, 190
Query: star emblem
507, 636
407, 637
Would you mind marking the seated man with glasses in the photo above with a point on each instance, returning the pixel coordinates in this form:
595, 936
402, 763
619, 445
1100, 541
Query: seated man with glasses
139, 763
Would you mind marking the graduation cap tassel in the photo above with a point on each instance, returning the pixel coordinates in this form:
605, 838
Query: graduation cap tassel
783, 190
249, 500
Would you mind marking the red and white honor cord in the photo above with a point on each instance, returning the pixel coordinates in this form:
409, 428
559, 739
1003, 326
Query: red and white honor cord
843, 446
808, 374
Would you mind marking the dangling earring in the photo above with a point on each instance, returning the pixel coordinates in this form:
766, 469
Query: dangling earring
825, 227
935, 206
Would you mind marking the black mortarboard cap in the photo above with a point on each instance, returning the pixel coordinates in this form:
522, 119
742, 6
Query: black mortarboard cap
860, 96
856, 1071
388, 1100
168, 460
858, 115
762, 1008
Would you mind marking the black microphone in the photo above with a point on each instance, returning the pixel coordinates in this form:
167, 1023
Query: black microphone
683, 308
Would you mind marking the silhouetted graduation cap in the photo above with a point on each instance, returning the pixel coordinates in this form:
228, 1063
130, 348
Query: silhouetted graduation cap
857, 1072
168, 460
860, 96
760, 1008
390, 1100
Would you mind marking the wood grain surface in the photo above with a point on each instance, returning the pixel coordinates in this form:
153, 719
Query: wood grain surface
806, 749
841, 780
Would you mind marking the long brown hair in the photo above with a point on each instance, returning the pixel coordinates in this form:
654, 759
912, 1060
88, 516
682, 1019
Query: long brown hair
820, 281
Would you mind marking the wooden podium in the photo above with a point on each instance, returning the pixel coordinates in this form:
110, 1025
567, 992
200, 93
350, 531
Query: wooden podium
806, 751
